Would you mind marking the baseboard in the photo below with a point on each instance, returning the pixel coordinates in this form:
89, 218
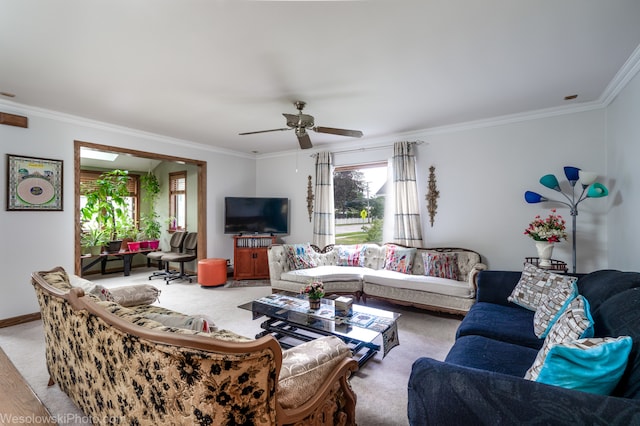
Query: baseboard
19, 320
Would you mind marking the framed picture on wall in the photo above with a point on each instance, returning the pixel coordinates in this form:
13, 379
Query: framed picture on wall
33, 183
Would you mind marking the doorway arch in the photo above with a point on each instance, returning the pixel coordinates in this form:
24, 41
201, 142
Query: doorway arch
202, 191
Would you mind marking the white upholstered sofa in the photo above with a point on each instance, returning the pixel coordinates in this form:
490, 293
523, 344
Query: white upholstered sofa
440, 279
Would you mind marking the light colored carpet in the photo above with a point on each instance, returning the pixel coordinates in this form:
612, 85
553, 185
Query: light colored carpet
381, 384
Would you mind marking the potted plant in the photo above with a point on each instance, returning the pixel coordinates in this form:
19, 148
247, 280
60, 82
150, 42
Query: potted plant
149, 225
93, 239
107, 205
314, 292
150, 229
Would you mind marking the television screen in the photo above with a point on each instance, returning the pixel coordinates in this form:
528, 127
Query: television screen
255, 215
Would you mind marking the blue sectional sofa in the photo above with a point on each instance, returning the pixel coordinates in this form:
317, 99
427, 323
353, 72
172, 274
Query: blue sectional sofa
482, 380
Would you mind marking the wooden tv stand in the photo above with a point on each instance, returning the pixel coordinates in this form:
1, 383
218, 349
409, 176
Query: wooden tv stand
250, 256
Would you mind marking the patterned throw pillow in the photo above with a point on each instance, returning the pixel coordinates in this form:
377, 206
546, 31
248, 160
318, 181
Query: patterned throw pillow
443, 265
534, 284
351, 256
299, 256
574, 323
552, 306
592, 365
399, 259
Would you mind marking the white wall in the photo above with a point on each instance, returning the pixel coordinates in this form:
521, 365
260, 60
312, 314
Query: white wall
623, 151
482, 175
41, 240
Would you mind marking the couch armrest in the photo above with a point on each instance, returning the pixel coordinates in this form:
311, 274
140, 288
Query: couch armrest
472, 279
496, 286
441, 393
313, 375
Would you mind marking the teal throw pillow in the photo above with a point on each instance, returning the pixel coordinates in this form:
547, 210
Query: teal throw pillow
573, 324
592, 365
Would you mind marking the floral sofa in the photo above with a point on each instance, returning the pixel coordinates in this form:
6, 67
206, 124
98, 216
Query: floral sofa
440, 279
122, 365
538, 348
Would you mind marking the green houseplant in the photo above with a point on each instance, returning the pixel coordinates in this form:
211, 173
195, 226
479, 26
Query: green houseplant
107, 202
92, 239
149, 224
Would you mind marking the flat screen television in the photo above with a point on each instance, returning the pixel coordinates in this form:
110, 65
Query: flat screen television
256, 215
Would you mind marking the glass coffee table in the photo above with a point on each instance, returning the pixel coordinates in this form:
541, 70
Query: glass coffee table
289, 319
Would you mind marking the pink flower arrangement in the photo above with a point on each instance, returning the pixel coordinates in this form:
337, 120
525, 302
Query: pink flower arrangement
551, 229
314, 290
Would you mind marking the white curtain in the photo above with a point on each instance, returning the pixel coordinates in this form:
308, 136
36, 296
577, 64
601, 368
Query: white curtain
323, 208
407, 229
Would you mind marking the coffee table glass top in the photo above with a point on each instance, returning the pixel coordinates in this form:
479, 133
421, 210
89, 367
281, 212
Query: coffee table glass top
364, 324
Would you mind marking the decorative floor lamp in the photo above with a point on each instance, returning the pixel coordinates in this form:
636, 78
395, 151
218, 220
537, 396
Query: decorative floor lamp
590, 189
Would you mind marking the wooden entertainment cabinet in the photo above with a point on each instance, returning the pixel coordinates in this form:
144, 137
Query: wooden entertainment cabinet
250, 256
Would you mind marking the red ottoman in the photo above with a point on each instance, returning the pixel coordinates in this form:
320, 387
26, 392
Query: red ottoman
212, 272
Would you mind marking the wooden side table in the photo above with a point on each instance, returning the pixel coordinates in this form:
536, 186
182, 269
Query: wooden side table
556, 265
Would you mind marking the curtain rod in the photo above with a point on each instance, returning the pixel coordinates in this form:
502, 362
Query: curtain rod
367, 149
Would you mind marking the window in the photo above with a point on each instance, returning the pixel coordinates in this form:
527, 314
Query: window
178, 200
359, 192
88, 183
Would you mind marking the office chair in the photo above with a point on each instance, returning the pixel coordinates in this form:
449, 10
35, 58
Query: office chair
189, 253
176, 242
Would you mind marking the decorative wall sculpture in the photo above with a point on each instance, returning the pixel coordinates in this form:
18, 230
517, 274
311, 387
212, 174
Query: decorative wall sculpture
432, 195
309, 198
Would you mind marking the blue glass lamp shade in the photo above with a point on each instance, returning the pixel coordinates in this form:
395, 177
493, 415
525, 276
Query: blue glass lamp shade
533, 197
572, 174
597, 190
550, 181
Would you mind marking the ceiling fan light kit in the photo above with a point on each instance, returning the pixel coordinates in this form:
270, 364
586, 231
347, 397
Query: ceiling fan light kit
301, 122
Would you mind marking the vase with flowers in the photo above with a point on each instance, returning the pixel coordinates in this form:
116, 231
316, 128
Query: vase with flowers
546, 232
314, 292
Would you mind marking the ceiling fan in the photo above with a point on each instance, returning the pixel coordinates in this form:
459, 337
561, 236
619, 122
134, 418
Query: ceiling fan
301, 122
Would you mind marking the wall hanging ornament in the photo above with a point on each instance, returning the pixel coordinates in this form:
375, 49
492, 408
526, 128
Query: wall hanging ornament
309, 198
590, 189
432, 195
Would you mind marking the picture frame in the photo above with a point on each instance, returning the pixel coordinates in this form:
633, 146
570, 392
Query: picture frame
34, 184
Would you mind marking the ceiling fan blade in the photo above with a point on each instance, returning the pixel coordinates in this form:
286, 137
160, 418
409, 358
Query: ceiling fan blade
341, 132
264, 131
304, 140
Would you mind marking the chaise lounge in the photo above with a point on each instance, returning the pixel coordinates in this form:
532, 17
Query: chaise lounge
122, 364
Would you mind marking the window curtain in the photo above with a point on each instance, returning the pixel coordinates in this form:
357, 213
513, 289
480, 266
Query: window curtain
323, 208
407, 229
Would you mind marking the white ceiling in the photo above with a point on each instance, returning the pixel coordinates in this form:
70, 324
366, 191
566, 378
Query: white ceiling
203, 71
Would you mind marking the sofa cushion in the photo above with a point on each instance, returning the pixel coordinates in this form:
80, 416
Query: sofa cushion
592, 365
132, 295
351, 255
399, 259
89, 287
599, 286
574, 323
552, 306
418, 282
326, 273
534, 284
619, 316
491, 355
500, 322
443, 265
305, 367
300, 256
